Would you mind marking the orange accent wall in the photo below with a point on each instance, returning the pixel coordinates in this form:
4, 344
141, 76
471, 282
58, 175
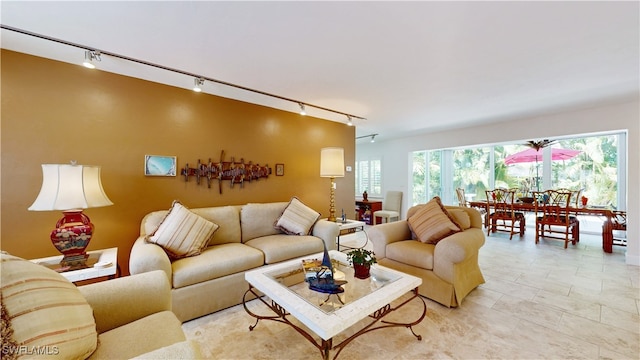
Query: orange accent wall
54, 112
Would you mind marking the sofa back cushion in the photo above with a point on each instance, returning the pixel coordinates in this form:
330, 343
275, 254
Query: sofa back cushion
257, 220
228, 218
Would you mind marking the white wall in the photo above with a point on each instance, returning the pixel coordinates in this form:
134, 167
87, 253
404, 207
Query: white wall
624, 116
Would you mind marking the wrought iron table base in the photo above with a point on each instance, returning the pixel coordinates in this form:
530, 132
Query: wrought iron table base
325, 346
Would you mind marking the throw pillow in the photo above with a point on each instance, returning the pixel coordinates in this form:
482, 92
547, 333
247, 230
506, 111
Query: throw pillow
182, 233
43, 313
297, 218
432, 223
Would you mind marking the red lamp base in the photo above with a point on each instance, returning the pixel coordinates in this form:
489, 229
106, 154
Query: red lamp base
71, 237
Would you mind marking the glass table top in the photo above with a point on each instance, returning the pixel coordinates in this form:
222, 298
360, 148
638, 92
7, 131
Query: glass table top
293, 278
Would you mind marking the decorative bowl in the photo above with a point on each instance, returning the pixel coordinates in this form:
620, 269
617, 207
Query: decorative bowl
527, 200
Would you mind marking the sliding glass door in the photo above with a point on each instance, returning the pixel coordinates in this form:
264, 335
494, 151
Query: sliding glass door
597, 166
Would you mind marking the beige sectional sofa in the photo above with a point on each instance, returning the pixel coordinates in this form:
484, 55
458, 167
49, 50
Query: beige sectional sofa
449, 269
246, 239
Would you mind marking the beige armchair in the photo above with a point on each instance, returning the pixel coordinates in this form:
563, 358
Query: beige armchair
121, 318
449, 269
134, 319
390, 207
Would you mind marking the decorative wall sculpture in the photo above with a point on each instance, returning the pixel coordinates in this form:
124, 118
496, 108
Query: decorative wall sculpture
235, 172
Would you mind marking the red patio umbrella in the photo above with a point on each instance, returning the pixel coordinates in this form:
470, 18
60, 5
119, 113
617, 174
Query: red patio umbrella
531, 155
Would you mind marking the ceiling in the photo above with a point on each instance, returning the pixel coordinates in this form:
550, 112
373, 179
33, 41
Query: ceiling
407, 67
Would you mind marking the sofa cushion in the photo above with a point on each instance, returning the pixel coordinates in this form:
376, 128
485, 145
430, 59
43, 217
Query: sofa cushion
282, 247
412, 252
228, 218
45, 310
215, 262
139, 337
182, 232
432, 222
461, 218
297, 218
257, 220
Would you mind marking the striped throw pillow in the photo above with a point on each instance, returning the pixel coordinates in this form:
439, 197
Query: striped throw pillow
182, 233
432, 223
297, 218
46, 314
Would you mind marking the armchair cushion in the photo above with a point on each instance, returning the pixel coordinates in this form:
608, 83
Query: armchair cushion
432, 222
412, 252
44, 310
183, 233
297, 218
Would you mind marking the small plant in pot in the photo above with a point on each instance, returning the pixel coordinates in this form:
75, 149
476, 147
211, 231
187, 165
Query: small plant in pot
361, 259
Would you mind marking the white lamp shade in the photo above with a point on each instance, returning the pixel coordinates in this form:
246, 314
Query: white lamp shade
332, 162
67, 187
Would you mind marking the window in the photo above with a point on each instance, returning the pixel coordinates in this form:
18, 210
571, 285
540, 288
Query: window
369, 177
599, 170
426, 176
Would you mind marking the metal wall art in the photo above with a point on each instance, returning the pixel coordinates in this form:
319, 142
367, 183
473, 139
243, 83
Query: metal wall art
235, 172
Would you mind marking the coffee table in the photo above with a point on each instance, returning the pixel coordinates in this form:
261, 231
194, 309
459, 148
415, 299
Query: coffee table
282, 289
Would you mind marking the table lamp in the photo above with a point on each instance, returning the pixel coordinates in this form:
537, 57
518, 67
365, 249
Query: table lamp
332, 166
71, 188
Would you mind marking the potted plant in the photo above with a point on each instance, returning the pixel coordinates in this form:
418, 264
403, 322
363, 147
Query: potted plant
361, 259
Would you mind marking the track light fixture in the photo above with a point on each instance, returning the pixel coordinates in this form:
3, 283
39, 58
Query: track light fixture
89, 57
302, 111
197, 84
349, 122
372, 136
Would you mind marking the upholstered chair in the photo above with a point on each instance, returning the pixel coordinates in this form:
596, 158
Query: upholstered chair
390, 207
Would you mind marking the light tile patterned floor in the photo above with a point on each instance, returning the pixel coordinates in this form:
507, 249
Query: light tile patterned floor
539, 301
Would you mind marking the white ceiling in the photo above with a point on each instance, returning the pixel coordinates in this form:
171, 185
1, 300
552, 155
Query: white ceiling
408, 67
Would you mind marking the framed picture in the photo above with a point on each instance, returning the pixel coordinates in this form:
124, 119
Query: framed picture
156, 165
279, 169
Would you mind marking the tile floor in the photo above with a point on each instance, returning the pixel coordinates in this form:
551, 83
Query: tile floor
539, 302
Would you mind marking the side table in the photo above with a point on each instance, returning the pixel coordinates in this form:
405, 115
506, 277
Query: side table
102, 263
349, 227
365, 210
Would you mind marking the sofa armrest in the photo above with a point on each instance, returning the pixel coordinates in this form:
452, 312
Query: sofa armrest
384, 234
455, 249
121, 301
327, 231
147, 257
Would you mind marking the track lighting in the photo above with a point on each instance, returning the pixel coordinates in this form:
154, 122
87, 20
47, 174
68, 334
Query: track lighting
94, 55
372, 136
198, 82
89, 57
349, 122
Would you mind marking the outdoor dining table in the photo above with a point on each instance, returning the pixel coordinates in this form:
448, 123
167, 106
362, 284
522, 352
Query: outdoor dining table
607, 228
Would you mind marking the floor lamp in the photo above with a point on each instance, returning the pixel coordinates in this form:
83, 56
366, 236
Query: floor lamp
332, 166
71, 188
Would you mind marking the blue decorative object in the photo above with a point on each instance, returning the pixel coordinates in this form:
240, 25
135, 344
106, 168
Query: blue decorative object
323, 281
